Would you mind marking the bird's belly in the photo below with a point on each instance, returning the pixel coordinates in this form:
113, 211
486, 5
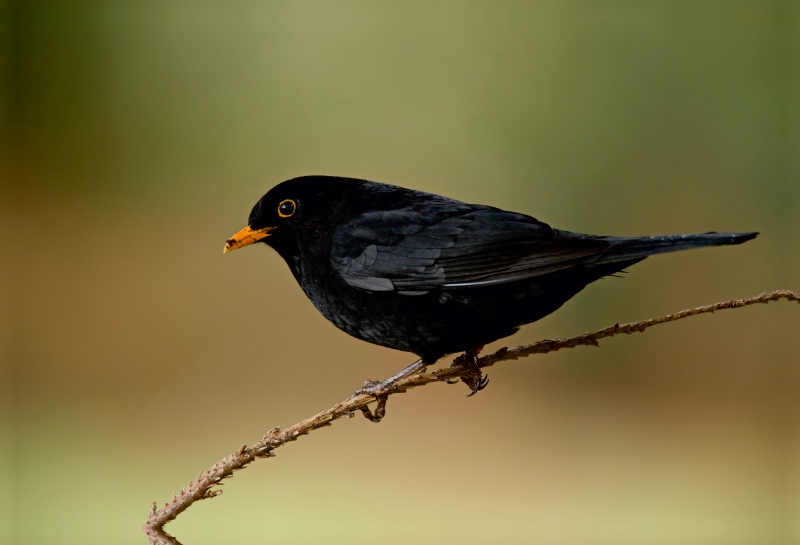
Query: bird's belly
439, 322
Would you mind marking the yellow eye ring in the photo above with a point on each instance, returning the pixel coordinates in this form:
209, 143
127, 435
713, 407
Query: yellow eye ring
287, 208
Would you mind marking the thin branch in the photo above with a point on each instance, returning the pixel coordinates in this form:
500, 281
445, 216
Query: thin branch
202, 487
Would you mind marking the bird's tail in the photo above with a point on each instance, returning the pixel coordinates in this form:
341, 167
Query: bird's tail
632, 249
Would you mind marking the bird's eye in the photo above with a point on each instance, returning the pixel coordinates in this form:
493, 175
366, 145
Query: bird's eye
286, 208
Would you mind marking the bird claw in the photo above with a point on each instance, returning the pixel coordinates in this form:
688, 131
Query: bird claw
380, 390
474, 379
380, 410
479, 385
375, 389
451, 380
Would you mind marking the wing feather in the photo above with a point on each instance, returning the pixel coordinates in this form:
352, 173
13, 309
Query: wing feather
412, 252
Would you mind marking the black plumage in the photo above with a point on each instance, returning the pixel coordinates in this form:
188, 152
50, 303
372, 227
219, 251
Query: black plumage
430, 275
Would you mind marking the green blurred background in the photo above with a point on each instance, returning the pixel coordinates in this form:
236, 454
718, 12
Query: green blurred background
138, 134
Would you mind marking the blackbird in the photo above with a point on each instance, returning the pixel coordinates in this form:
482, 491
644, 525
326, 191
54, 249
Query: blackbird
431, 275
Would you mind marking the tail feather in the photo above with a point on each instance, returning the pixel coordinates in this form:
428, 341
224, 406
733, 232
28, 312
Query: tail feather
637, 248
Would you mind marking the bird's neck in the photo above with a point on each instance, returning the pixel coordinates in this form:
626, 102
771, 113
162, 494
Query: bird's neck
291, 254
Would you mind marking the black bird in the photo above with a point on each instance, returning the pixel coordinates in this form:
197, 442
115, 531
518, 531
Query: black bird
431, 275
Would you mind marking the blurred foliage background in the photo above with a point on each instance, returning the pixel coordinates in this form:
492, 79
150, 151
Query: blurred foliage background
136, 137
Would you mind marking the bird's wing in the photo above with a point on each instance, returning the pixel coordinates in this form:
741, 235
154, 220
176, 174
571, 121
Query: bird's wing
414, 252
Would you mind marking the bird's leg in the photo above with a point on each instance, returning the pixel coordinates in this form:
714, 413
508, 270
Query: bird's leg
374, 387
475, 378
378, 389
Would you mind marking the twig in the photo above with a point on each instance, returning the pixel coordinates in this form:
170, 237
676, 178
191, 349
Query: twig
201, 488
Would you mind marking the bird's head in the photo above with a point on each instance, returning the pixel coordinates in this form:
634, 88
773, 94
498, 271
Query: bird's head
300, 210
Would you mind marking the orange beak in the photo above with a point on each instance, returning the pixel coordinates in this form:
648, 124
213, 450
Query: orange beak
245, 237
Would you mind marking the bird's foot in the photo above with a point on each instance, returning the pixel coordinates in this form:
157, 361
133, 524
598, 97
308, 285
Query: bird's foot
370, 387
380, 390
380, 410
375, 389
474, 378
